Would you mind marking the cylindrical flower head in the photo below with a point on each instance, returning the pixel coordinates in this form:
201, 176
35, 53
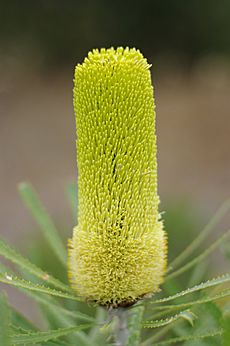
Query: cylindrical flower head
118, 251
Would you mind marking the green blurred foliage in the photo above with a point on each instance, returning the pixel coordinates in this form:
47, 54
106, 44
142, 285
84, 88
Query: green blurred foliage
182, 223
60, 31
226, 325
201, 324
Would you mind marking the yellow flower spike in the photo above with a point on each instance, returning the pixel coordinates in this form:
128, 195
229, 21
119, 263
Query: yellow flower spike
118, 251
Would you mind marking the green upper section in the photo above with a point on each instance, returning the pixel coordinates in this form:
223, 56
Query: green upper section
116, 146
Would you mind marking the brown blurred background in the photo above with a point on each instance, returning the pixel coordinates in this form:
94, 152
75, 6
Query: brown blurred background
188, 44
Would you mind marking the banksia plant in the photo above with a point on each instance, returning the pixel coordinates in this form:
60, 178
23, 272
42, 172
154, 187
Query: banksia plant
117, 255
118, 251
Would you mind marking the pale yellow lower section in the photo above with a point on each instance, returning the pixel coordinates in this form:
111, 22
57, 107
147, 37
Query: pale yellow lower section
113, 270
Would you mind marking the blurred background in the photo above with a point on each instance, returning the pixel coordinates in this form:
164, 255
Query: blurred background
188, 45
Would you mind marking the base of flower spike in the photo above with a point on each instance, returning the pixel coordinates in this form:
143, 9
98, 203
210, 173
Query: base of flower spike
124, 304
131, 273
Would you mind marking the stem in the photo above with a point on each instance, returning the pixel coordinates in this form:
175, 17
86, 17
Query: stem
120, 326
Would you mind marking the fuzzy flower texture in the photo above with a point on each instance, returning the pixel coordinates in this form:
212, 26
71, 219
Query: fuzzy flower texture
118, 251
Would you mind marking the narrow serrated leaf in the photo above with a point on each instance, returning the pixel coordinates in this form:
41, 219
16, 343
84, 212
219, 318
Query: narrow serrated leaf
20, 283
12, 255
44, 299
57, 319
5, 335
167, 309
52, 303
34, 338
19, 330
201, 237
204, 300
210, 283
188, 338
199, 258
187, 315
39, 213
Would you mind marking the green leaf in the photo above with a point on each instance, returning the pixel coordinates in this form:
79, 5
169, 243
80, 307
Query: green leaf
48, 228
201, 237
57, 319
82, 339
16, 317
18, 330
37, 337
169, 308
198, 273
188, 338
53, 304
46, 300
135, 321
5, 335
21, 321
226, 335
43, 299
209, 319
64, 314
210, 283
55, 343
160, 333
4, 269
199, 258
187, 315
20, 283
12, 255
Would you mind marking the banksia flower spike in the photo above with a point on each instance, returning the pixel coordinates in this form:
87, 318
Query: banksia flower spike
118, 251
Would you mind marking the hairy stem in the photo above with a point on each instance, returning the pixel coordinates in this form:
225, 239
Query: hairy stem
120, 326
